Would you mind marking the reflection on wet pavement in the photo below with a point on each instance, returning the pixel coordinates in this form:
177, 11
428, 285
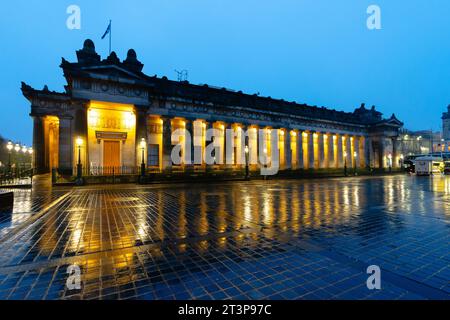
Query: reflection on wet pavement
309, 239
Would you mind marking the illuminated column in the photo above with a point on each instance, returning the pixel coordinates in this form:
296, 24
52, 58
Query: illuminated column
287, 150
299, 149
207, 126
167, 143
305, 149
220, 143
38, 144
311, 150
230, 144
356, 149
293, 148
330, 151
340, 151
320, 150
198, 142
239, 146
362, 152
348, 150
253, 146
188, 144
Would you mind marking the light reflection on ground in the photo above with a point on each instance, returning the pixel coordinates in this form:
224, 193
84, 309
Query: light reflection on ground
308, 239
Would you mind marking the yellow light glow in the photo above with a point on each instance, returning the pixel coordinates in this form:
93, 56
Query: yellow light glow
282, 132
315, 135
304, 134
334, 137
93, 117
129, 120
143, 143
79, 142
294, 133
9, 146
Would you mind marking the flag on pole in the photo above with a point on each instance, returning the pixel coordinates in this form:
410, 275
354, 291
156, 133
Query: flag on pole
108, 30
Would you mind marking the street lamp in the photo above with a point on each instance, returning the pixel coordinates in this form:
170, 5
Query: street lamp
79, 143
142, 145
246, 163
345, 163
355, 155
9, 147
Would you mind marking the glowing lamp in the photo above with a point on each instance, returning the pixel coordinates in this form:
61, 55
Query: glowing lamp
17, 147
142, 144
79, 142
9, 146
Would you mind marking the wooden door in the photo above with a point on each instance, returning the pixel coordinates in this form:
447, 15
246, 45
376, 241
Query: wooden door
111, 157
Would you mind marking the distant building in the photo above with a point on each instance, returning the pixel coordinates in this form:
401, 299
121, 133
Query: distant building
419, 142
110, 108
446, 129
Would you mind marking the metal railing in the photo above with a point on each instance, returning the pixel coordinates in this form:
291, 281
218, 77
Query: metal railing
20, 174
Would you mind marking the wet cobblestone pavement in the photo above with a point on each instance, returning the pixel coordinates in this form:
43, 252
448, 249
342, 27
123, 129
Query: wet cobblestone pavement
308, 239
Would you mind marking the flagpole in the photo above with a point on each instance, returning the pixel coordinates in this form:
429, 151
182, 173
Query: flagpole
110, 34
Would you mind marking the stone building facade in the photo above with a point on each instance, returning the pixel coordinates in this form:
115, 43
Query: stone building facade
109, 107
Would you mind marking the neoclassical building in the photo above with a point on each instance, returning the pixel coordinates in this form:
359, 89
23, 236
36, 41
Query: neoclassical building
111, 116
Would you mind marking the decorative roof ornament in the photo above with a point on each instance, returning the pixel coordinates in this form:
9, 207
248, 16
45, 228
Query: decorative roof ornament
112, 58
132, 63
88, 55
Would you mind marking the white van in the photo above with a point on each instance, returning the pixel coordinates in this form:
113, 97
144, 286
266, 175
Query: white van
428, 165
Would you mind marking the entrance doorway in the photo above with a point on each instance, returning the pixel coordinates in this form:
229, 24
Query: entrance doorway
111, 157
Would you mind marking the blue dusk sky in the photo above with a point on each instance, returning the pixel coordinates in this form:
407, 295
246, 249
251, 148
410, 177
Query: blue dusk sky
318, 52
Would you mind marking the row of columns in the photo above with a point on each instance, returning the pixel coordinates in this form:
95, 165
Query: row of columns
298, 149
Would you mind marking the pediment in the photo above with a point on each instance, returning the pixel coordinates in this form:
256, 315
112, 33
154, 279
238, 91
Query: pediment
112, 72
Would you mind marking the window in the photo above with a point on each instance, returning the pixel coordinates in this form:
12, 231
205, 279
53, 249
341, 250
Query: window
153, 155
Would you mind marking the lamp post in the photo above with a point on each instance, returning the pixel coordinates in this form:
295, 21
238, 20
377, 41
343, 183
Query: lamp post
265, 162
79, 143
345, 163
247, 176
142, 145
355, 155
9, 147
401, 161
17, 149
